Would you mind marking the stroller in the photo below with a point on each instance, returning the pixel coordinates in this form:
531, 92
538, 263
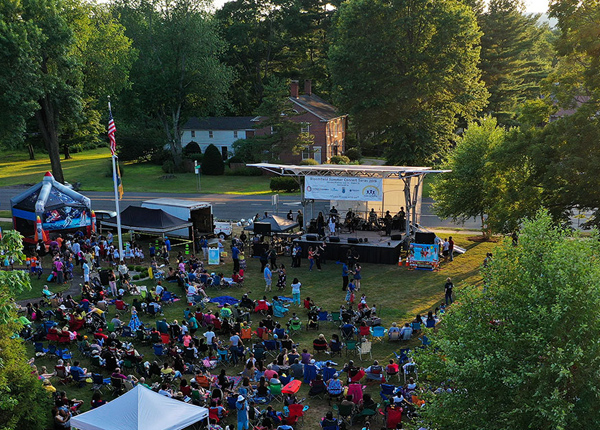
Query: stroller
95, 322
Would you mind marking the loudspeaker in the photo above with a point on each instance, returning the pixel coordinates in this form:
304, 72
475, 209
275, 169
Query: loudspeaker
334, 239
311, 237
352, 240
262, 228
425, 238
360, 240
396, 237
366, 239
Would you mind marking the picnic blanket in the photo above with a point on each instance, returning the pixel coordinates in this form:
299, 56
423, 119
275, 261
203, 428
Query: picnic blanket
222, 300
236, 380
285, 299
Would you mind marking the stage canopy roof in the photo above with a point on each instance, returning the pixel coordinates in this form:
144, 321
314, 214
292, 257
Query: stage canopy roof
143, 409
366, 171
278, 224
149, 220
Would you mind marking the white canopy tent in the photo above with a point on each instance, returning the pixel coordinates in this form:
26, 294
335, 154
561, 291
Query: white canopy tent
143, 409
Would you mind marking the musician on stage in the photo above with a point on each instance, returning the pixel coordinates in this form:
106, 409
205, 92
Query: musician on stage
350, 220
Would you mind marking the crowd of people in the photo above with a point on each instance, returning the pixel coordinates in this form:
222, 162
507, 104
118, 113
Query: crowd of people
194, 356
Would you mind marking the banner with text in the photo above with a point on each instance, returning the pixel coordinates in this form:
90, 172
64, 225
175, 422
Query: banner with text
343, 188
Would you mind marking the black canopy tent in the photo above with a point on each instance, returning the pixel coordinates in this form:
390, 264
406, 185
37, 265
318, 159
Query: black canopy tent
277, 223
151, 222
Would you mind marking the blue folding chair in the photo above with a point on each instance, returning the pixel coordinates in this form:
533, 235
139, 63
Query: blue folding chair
322, 316
285, 379
429, 323
127, 332
167, 297
416, 326
402, 357
223, 357
159, 351
425, 341
387, 391
271, 347
378, 333
39, 347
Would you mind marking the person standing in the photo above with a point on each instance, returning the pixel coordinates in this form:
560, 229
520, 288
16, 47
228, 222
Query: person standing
357, 276
300, 220
235, 255
451, 248
311, 258
296, 291
268, 277
281, 281
448, 289
345, 272
242, 413
86, 271
401, 219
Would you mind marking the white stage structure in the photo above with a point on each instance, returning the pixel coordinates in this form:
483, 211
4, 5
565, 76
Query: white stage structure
403, 183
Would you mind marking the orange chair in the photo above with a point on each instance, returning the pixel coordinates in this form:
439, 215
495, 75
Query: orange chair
246, 333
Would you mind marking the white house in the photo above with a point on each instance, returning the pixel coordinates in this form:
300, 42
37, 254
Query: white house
219, 131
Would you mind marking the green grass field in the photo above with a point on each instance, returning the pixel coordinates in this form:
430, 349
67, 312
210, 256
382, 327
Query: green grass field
16, 169
398, 293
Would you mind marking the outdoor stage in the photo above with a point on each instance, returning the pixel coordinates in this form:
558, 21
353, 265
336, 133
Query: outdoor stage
376, 248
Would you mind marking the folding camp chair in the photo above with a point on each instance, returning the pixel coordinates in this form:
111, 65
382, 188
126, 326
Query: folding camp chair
294, 413
364, 348
159, 351
351, 347
378, 333
345, 412
98, 382
336, 318
275, 391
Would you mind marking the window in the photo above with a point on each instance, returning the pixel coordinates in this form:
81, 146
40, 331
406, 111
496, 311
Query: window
210, 134
305, 127
235, 134
193, 133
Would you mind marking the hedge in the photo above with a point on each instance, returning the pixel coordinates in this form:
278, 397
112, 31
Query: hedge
285, 184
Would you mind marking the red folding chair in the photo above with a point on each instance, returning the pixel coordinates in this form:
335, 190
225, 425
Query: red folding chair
359, 375
165, 338
296, 412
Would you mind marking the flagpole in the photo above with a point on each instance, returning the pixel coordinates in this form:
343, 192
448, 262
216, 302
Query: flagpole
114, 168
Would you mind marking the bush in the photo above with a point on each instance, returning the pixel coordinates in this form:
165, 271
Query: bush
192, 148
138, 146
168, 167
235, 159
245, 171
339, 159
212, 164
309, 162
109, 171
284, 183
136, 277
130, 267
160, 156
138, 268
353, 154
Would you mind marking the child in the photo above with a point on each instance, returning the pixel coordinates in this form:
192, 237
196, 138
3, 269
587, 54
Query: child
350, 294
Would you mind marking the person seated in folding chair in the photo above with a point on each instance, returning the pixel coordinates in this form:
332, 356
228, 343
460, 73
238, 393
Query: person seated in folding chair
317, 387
226, 311
240, 315
320, 344
406, 332
330, 423
375, 372
335, 388
393, 329
392, 369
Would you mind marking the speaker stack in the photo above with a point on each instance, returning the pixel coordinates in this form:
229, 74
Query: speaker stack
333, 239
311, 237
352, 240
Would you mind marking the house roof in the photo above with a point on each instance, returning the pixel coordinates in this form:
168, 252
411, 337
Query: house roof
219, 123
317, 106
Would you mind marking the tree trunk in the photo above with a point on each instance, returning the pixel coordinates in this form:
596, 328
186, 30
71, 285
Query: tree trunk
485, 231
48, 128
31, 153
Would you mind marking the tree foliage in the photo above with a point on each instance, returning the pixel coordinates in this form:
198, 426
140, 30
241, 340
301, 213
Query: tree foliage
515, 56
178, 73
283, 135
406, 71
522, 352
464, 192
23, 401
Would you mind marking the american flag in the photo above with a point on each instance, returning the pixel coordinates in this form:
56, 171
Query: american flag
111, 133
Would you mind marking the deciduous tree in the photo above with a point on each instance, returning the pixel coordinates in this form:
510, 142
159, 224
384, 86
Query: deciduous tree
522, 352
406, 71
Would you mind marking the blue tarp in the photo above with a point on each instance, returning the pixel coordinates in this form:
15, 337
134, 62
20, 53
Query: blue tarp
221, 300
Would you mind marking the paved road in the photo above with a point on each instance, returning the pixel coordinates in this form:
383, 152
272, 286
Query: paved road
233, 207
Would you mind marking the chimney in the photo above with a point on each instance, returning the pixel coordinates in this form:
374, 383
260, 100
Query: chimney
294, 89
308, 87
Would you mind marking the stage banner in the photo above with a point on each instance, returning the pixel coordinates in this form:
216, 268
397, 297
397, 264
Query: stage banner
343, 188
423, 254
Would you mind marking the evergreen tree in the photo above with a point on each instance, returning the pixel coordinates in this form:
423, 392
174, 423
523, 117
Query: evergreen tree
512, 66
212, 162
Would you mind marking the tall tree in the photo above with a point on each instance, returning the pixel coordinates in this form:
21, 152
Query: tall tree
523, 352
285, 135
179, 72
512, 65
269, 38
72, 54
465, 192
406, 71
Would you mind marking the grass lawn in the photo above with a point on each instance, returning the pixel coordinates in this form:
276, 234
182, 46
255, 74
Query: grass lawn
17, 169
398, 293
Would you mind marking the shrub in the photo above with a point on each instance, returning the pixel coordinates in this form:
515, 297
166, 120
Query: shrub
309, 162
138, 146
168, 167
136, 277
212, 164
353, 154
235, 159
138, 268
284, 183
196, 156
245, 171
339, 159
160, 156
130, 267
192, 148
